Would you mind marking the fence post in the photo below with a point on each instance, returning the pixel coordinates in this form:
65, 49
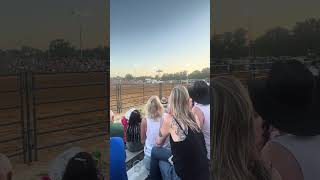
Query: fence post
33, 119
143, 93
27, 123
31, 122
117, 98
120, 97
160, 90
23, 119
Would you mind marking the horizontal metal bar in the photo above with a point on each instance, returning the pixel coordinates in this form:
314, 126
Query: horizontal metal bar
15, 154
70, 72
72, 127
10, 123
132, 98
71, 100
71, 141
71, 114
71, 86
9, 91
10, 140
9, 75
9, 108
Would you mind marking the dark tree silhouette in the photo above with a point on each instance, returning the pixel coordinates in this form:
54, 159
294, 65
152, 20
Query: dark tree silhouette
61, 48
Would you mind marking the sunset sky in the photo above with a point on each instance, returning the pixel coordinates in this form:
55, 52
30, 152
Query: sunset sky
36, 22
147, 35
228, 15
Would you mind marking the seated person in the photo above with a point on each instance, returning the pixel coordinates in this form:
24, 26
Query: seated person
133, 132
150, 127
116, 129
117, 159
74, 164
81, 167
5, 168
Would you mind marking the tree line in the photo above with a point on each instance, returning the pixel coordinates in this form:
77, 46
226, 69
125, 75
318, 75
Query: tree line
58, 48
301, 40
183, 75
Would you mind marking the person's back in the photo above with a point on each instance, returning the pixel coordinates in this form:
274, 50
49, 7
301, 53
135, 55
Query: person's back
152, 132
133, 142
205, 109
190, 155
117, 159
304, 151
200, 94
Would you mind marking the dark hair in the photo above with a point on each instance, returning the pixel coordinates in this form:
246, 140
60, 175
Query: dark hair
133, 131
81, 167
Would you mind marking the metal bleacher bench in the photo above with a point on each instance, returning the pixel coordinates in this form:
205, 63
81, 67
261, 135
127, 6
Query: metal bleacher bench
133, 157
135, 166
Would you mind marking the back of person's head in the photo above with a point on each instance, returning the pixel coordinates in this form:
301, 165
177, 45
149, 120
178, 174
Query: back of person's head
133, 130
81, 167
154, 108
111, 116
286, 98
135, 118
179, 105
5, 168
234, 154
199, 92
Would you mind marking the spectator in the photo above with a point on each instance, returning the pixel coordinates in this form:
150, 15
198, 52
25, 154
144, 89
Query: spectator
285, 101
6, 171
186, 139
116, 128
81, 167
150, 127
133, 132
117, 159
201, 97
235, 155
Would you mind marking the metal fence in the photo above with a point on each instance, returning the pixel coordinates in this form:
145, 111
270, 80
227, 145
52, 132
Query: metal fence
126, 96
39, 111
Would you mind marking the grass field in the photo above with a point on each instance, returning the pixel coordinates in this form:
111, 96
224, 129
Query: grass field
44, 125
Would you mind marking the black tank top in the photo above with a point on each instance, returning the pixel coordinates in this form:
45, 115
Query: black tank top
190, 156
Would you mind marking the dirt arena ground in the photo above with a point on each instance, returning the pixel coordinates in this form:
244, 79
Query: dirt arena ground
97, 119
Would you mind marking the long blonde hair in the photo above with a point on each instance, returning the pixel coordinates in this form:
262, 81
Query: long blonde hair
154, 108
235, 156
179, 104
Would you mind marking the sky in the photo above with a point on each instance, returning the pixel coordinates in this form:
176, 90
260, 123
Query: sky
36, 22
228, 15
148, 35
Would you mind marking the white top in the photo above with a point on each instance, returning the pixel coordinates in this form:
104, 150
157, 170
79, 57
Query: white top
306, 151
205, 109
153, 127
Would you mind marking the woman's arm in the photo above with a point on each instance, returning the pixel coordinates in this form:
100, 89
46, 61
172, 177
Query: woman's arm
164, 130
143, 130
199, 115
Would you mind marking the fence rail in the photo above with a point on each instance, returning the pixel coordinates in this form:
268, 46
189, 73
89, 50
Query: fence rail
29, 90
125, 96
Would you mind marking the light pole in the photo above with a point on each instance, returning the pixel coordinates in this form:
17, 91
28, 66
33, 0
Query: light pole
77, 14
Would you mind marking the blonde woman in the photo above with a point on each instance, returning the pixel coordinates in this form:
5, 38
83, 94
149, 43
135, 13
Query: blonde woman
150, 126
186, 139
235, 155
